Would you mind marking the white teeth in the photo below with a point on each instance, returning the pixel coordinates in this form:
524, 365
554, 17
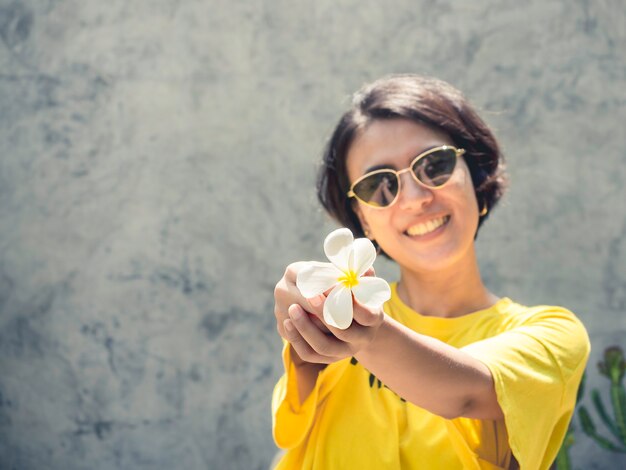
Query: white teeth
427, 227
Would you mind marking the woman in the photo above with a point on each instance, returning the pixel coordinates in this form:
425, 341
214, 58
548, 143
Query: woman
448, 375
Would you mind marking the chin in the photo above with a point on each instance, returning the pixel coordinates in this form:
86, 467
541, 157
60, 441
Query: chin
434, 258
429, 264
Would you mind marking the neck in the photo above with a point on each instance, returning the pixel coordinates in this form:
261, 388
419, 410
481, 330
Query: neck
452, 292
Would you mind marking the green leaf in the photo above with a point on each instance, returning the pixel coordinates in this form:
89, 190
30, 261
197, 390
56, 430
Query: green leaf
562, 459
618, 397
581, 388
590, 429
614, 364
599, 405
585, 421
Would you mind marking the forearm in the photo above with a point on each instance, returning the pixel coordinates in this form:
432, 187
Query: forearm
429, 373
306, 375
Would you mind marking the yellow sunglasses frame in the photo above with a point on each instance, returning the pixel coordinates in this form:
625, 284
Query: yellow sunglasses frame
398, 173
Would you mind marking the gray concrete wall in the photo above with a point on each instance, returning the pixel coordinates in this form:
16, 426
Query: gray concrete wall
156, 175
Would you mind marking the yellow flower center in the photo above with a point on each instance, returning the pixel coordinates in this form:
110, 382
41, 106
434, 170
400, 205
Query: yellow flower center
349, 279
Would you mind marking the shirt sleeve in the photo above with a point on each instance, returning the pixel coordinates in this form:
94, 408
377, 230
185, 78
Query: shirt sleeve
536, 368
292, 420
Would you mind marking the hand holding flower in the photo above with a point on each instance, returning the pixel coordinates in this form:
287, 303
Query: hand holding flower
350, 260
353, 310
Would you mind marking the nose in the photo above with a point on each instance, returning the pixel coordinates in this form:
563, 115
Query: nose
412, 194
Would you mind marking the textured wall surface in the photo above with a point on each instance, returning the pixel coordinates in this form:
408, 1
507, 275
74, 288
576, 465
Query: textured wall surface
156, 175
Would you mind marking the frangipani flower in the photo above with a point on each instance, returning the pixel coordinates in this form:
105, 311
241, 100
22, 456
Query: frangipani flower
349, 260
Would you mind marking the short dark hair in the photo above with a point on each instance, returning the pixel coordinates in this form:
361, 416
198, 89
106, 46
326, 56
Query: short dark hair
426, 101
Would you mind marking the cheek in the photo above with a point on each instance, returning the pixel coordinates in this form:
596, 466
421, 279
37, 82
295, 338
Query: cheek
462, 176
463, 185
374, 219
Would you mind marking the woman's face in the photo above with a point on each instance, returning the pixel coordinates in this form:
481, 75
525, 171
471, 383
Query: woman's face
425, 229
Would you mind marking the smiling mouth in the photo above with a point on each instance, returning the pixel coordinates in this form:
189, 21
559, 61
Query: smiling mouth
427, 227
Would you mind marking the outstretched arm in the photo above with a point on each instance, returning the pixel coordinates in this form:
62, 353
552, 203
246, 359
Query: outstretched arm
427, 372
430, 373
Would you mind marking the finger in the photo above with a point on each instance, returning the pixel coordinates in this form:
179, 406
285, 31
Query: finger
370, 272
291, 272
352, 336
317, 303
286, 297
325, 345
366, 316
304, 351
313, 304
286, 292
362, 328
349, 335
281, 317
319, 323
301, 347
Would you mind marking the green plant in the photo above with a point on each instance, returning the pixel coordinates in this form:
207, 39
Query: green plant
613, 367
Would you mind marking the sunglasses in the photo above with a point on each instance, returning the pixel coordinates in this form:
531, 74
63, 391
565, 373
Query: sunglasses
432, 169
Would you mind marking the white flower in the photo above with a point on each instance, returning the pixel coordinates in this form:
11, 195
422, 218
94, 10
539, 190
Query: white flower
349, 260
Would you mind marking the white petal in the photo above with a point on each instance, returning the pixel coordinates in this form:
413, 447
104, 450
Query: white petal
338, 307
362, 256
372, 292
337, 246
316, 278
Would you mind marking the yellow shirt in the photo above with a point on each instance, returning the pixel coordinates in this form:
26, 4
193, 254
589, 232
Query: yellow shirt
351, 420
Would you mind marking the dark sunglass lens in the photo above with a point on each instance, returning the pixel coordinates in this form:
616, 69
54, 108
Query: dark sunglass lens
436, 168
378, 190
